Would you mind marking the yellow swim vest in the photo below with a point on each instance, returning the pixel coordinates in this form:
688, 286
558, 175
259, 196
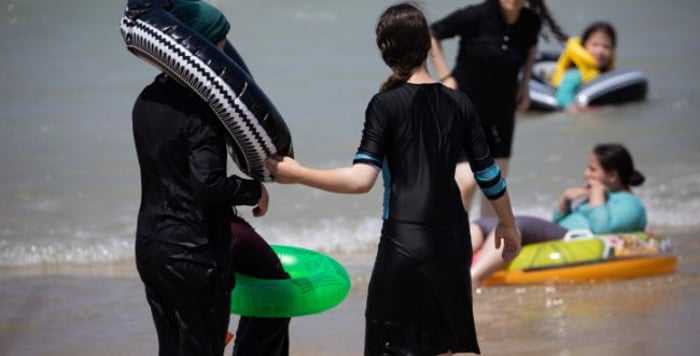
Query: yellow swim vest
575, 55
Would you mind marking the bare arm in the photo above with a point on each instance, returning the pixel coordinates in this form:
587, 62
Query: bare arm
523, 95
570, 194
437, 57
356, 179
506, 229
596, 193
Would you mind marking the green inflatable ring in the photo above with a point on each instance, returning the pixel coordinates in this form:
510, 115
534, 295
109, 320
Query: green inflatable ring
317, 283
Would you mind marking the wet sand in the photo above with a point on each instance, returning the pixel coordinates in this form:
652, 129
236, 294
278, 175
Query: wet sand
92, 315
99, 310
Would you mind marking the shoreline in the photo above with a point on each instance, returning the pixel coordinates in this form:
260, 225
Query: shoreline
357, 263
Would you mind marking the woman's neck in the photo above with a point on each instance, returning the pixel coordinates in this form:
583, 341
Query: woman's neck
510, 16
622, 190
420, 76
615, 188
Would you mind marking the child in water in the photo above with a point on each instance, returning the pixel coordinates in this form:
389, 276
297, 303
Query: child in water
419, 299
604, 204
583, 59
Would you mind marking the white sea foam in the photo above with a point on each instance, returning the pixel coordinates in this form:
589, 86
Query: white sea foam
62, 251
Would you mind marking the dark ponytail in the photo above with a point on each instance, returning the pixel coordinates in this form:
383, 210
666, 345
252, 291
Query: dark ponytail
394, 80
403, 38
615, 157
540, 8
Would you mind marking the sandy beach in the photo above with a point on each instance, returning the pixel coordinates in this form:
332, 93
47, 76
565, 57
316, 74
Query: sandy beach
101, 310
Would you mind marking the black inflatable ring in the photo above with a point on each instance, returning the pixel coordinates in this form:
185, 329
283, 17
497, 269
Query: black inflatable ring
221, 78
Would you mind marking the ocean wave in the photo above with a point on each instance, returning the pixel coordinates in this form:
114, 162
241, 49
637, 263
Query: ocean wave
337, 234
14, 254
330, 235
327, 235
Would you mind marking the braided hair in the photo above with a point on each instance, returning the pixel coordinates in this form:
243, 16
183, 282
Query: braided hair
541, 9
403, 38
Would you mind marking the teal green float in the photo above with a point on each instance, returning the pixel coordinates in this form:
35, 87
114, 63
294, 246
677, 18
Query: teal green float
317, 283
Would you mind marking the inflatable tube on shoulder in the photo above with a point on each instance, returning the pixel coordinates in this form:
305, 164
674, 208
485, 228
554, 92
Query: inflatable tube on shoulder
256, 129
317, 283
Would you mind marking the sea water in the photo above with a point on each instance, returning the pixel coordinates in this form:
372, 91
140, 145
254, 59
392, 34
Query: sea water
69, 178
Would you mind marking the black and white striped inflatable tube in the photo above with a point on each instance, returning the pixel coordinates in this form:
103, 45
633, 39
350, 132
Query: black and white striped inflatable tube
222, 79
613, 87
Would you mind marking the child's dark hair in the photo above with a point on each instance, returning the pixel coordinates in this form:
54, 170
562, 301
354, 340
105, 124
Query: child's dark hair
615, 157
600, 26
541, 9
403, 38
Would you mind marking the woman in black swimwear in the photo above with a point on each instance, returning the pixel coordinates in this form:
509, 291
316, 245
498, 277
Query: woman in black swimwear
419, 299
498, 43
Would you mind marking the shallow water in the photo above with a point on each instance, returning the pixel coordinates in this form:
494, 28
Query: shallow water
86, 313
642, 316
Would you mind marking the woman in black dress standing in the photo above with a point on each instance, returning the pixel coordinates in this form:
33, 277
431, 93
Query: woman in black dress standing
498, 43
419, 299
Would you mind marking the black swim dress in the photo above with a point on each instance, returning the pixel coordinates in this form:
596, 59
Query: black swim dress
419, 297
490, 56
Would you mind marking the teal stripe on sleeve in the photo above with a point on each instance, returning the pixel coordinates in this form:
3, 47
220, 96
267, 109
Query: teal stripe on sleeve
495, 189
364, 156
488, 173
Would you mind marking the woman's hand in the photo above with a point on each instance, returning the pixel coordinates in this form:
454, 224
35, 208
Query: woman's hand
574, 108
283, 169
595, 186
574, 193
511, 241
596, 192
577, 108
261, 208
569, 195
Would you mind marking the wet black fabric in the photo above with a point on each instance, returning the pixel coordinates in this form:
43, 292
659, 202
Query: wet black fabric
189, 296
183, 235
182, 156
419, 298
254, 257
490, 56
420, 130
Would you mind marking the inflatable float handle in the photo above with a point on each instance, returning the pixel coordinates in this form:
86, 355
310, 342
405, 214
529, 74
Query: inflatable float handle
578, 234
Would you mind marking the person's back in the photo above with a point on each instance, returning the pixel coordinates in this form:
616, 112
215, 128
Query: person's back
168, 120
184, 242
183, 235
418, 299
429, 125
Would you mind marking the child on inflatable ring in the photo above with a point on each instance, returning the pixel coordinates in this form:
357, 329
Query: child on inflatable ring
583, 59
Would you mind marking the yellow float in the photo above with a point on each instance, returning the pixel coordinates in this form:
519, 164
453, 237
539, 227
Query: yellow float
583, 258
